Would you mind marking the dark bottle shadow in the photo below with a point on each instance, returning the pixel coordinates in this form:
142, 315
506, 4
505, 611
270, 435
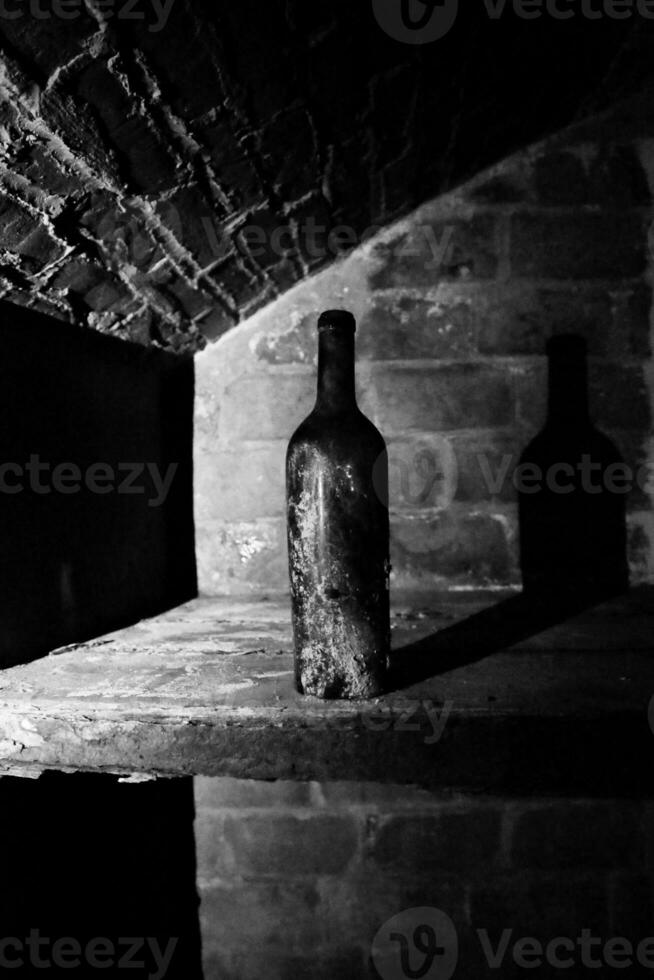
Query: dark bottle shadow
573, 540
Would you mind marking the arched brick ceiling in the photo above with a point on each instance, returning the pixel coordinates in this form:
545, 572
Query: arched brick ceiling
134, 159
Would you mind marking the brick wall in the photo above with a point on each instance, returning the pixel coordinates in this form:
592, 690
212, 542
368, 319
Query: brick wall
296, 879
455, 305
138, 146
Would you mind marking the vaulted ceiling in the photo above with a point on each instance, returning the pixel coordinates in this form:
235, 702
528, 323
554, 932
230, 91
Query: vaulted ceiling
168, 166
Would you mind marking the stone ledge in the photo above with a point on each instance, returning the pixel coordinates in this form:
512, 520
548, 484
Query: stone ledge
487, 696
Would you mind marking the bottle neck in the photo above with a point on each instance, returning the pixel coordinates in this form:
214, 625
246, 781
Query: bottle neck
336, 384
568, 392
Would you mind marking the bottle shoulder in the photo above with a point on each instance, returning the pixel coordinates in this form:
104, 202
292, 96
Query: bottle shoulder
352, 428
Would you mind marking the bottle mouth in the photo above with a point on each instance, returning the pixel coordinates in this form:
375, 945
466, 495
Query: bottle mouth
340, 321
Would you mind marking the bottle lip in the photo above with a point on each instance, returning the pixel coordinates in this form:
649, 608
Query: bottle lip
337, 320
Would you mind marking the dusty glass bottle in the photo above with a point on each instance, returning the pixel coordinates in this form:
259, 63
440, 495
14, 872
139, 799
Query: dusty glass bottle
338, 532
572, 509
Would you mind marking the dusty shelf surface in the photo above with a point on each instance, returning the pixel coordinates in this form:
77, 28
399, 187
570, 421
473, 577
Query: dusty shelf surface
485, 693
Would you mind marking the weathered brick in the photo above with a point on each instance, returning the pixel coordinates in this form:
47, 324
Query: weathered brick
374, 796
289, 846
298, 344
630, 333
269, 406
579, 835
616, 177
231, 163
578, 245
17, 223
192, 301
560, 178
632, 446
227, 793
242, 558
148, 164
438, 250
38, 249
289, 154
448, 841
189, 216
265, 237
46, 172
639, 547
190, 46
454, 546
244, 484
485, 463
618, 396
350, 192
406, 328
215, 323
519, 319
242, 286
284, 916
139, 329
451, 396
40, 305
284, 274
422, 473
122, 230
109, 294
48, 49
531, 387
355, 906
241, 99
326, 965
78, 275
544, 906
213, 862
316, 232
510, 187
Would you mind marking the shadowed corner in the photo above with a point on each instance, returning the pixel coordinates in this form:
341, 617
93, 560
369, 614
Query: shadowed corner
573, 539
100, 875
81, 563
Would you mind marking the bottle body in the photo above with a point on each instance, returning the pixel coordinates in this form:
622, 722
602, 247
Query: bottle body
338, 536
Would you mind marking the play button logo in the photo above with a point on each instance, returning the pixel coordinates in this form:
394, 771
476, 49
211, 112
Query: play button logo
416, 21
417, 944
